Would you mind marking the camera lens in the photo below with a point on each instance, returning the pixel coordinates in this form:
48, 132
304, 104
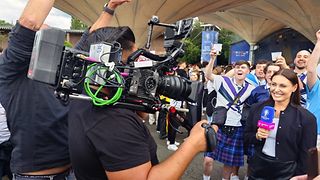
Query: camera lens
174, 87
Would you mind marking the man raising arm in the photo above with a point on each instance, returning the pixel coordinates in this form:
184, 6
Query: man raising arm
208, 70
313, 84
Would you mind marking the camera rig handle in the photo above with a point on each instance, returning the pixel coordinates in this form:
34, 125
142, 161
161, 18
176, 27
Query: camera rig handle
133, 56
179, 52
211, 137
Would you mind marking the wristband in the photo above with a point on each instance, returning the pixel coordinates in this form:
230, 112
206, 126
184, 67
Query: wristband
108, 10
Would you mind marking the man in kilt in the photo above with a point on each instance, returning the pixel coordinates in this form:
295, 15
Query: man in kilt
231, 94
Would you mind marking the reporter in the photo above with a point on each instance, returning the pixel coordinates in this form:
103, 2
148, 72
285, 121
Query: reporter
282, 152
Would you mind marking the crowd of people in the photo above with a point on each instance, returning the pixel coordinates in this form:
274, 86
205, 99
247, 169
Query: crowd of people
279, 153
44, 138
244, 90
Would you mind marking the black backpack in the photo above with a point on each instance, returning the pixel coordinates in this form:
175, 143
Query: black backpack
211, 102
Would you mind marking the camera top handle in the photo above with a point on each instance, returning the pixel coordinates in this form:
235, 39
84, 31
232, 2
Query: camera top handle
146, 54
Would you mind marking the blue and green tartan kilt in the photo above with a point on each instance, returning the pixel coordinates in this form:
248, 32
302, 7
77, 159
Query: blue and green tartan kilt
229, 150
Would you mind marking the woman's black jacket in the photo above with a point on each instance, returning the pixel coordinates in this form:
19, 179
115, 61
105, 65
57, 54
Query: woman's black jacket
297, 132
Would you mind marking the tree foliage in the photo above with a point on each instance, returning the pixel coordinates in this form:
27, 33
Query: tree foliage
76, 24
193, 45
225, 38
4, 23
68, 44
4, 37
192, 52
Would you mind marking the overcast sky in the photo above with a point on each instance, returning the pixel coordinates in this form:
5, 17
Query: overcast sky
12, 9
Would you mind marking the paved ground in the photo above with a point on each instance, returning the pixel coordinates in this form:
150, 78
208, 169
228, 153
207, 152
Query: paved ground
195, 169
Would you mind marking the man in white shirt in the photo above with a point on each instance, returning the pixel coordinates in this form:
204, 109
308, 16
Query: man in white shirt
231, 94
300, 62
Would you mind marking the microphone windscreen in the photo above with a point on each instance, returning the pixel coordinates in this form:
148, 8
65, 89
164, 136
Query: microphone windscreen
267, 114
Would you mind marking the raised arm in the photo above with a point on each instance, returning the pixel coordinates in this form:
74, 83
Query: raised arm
34, 14
208, 70
105, 17
313, 62
281, 61
103, 20
171, 168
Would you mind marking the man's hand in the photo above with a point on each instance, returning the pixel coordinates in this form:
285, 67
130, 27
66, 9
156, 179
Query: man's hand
281, 61
213, 53
208, 69
197, 136
113, 4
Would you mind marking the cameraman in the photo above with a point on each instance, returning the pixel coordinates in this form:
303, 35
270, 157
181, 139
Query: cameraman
36, 118
113, 143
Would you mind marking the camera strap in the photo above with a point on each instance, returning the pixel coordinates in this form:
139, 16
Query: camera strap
234, 92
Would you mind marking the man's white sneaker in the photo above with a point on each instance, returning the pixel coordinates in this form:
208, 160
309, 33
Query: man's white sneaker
175, 142
172, 147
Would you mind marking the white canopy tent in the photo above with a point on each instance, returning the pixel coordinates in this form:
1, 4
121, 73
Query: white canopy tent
254, 20
137, 13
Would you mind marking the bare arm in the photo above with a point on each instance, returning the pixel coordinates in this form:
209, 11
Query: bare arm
174, 166
281, 61
105, 18
34, 14
208, 70
313, 62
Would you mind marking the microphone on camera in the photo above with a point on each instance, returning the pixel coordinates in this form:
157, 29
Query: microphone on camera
266, 119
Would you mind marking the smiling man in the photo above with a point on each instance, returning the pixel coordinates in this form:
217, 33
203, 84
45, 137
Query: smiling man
300, 63
231, 94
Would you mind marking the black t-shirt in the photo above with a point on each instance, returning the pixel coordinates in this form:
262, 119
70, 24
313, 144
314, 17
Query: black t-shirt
107, 138
36, 118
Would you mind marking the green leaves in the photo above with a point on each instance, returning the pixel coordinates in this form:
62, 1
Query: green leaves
4, 23
192, 45
76, 24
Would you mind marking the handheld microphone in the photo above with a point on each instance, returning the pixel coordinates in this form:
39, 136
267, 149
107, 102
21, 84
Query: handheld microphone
266, 121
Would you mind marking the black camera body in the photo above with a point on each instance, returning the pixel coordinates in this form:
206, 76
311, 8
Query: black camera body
137, 85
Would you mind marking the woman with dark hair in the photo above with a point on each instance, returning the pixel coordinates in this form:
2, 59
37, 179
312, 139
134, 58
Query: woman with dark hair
281, 153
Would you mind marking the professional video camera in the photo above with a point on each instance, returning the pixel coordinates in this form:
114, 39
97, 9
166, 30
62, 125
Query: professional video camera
135, 85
